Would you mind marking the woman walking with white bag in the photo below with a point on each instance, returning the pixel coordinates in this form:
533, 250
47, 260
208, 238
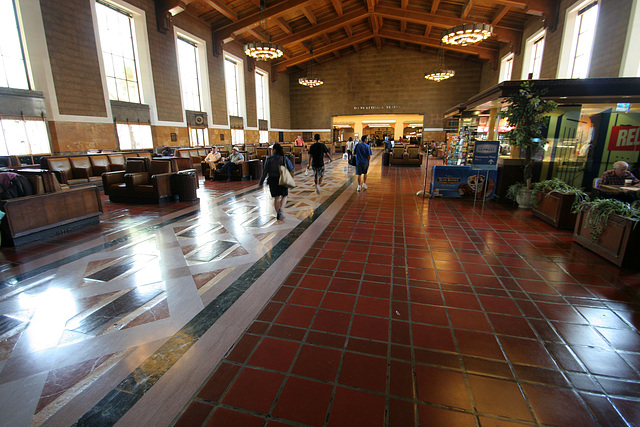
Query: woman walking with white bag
272, 168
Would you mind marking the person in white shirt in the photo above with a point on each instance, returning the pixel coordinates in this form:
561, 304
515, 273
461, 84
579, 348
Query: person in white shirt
213, 158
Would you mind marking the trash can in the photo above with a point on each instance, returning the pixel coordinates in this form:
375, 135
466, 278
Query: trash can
385, 158
186, 183
255, 169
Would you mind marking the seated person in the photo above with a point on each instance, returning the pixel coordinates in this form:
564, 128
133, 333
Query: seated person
167, 152
213, 158
636, 170
232, 163
617, 176
299, 142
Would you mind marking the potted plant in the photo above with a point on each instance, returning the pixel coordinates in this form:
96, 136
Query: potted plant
553, 201
519, 193
608, 228
526, 112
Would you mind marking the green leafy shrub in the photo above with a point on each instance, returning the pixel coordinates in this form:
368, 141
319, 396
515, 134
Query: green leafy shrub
598, 212
559, 186
514, 190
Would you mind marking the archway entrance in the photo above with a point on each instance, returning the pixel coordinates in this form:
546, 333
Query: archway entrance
378, 126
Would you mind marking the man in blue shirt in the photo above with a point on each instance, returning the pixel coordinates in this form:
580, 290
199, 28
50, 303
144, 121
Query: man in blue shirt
363, 153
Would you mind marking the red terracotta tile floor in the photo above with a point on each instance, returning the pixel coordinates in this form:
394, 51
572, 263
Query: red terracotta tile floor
438, 313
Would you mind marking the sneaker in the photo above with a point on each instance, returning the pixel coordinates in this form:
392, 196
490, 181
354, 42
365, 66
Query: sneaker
317, 190
280, 215
358, 188
364, 186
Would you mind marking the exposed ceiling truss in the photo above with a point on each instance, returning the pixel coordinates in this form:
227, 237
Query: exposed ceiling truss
323, 30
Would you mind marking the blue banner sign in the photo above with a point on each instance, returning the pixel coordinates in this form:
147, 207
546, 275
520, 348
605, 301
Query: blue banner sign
485, 155
462, 181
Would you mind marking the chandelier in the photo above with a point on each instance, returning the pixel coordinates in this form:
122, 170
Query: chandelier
441, 72
263, 51
466, 34
310, 80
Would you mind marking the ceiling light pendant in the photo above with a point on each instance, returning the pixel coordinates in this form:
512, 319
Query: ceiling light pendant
310, 80
439, 75
441, 72
263, 50
466, 34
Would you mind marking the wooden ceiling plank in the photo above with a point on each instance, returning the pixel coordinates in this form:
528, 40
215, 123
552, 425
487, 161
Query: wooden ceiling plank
501, 13
518, 4
374, 24
223, 9
310, 16
371, 5
330, 25
434, 6
482, 52
284, 26
337, 5
424, 18
467, 9
258, 34
280, 66
404, 4
254, 19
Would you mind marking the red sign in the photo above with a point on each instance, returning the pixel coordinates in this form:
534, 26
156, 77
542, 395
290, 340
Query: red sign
625, 138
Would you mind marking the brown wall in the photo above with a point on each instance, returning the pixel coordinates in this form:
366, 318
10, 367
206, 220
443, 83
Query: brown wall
389, 81
74, 138
613, 21
279, 94
389, 78
611, 33
74, 58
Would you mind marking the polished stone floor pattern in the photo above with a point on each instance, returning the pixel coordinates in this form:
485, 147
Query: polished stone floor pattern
370, 308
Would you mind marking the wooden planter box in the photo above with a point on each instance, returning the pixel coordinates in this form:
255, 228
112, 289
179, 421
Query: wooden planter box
555, 208
618, 243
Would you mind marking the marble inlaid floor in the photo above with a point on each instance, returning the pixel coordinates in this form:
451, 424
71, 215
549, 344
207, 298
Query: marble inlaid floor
371, 308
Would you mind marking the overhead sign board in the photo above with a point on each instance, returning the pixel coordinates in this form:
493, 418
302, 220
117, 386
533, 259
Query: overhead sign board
485, 155
624, 138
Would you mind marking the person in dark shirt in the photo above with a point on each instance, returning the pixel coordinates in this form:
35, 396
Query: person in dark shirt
363, 153
316, 160
272, 169
619, 176
636, 170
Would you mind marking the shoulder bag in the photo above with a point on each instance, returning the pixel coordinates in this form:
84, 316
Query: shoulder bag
286, 178
352, 159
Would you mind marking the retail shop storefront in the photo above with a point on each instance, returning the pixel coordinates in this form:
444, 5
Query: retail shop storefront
596, 123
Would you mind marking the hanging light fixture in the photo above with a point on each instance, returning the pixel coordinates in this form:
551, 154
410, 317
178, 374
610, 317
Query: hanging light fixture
441, 72
310, 80
466, 34
263, 51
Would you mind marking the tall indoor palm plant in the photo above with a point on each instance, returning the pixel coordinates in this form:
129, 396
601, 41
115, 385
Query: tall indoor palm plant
526, 114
